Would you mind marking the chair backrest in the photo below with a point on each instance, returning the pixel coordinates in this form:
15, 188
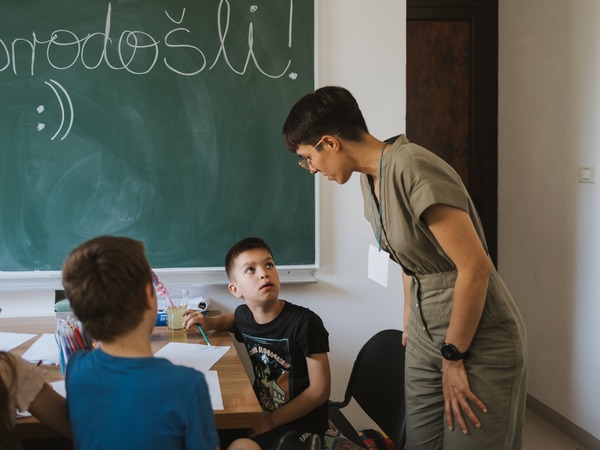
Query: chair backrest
377, 383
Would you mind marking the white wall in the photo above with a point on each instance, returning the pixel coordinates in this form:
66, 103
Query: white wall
549, 224
361, 46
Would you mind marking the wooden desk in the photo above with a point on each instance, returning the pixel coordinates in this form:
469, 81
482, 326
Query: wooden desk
241, 408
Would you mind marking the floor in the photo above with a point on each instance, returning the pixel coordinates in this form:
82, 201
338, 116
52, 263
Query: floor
541, 435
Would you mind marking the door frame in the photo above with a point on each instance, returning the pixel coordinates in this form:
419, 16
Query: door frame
483, 161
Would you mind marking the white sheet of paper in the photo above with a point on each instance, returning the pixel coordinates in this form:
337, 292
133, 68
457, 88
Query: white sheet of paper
197, 356
45, 349
8, 341
379, 262
23, 414
59, 386
214, 389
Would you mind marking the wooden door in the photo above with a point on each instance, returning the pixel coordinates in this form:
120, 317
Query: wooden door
452, 93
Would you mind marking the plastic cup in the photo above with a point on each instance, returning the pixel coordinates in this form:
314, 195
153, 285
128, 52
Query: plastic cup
175, 311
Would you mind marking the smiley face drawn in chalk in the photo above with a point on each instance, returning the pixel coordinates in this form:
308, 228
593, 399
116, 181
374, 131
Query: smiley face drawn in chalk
293, 75
40, 126
40, 109
253, 8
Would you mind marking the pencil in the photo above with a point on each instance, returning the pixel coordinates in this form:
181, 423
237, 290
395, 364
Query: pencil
203, 333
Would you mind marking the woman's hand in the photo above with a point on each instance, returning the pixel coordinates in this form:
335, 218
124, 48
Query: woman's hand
458, 396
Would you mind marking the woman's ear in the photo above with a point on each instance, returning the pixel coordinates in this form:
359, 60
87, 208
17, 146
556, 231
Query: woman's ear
332, 142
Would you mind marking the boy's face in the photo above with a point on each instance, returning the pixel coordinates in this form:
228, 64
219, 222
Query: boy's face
254, 277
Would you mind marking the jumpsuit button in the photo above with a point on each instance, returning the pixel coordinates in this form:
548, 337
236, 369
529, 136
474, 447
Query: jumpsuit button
423, 328
417, 305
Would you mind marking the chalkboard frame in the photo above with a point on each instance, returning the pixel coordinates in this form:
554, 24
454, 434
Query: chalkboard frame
214, 276
191, 276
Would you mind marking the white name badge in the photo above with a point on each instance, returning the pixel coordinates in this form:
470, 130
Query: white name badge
379, 262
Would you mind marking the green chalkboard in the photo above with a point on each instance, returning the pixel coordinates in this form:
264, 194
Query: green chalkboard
155, 119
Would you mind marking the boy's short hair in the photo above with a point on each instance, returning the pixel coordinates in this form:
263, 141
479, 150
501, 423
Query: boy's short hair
249, 243
328, 110
105, 280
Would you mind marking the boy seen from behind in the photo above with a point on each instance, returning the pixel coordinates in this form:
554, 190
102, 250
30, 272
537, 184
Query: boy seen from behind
119, 395
286, 343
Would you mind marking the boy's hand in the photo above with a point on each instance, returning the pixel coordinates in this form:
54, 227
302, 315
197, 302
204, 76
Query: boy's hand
221, 322
193, 317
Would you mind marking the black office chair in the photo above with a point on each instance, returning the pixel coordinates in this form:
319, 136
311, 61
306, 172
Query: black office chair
292, 440
377, 384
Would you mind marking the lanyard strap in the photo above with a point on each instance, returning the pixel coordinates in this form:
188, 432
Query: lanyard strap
379, 228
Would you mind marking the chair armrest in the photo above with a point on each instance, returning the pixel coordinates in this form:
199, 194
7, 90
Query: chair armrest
338, 405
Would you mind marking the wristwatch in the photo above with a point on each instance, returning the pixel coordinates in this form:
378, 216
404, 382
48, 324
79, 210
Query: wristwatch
451, 353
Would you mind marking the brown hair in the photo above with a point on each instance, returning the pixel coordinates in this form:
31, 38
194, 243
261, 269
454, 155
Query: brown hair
105, 280
249, 243
7, 436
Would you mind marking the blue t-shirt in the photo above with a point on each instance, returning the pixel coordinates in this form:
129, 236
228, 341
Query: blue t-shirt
137, 403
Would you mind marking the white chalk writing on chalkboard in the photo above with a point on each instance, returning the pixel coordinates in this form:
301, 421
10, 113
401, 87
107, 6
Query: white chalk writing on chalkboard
41, 109
131, 42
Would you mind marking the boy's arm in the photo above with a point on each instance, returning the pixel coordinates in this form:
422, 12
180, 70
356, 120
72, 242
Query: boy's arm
313, 396
222, 322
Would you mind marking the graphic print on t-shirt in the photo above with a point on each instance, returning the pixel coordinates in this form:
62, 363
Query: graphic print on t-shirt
272, 364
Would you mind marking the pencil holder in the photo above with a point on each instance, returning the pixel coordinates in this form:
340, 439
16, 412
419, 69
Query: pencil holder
70, 337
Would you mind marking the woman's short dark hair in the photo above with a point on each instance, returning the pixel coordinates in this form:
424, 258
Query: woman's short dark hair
328, 110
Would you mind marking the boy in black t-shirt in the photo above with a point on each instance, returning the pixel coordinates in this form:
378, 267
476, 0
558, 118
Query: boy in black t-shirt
287, 345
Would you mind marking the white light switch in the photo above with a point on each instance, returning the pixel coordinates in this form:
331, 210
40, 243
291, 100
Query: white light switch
587, 174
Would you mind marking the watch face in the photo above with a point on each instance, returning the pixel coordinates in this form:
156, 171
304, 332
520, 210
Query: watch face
451, 353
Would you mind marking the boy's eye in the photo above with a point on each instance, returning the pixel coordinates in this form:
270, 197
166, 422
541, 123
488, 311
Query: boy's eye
249, 270
270, 265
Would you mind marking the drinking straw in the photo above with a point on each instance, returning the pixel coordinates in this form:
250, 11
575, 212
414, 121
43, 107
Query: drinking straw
161, 289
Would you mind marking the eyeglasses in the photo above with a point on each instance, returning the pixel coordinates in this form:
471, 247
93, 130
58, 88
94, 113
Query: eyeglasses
305, 162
